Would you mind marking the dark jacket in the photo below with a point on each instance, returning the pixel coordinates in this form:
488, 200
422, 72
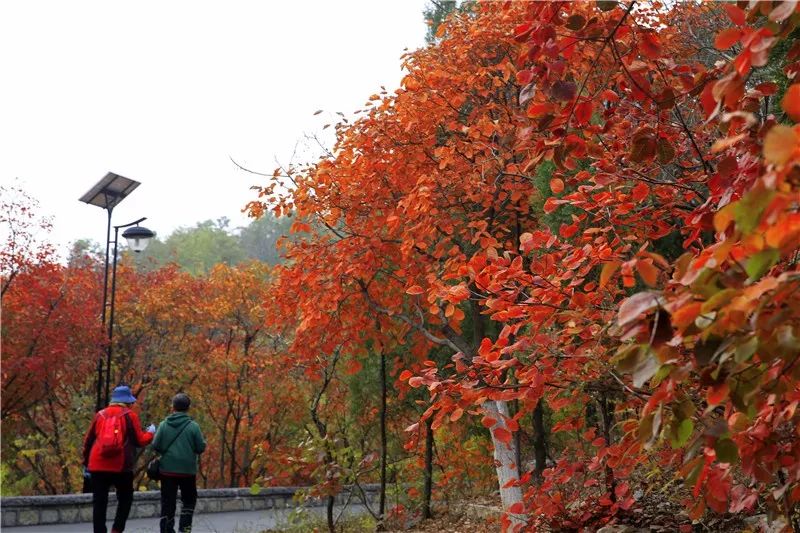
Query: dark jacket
180, 457
134, 438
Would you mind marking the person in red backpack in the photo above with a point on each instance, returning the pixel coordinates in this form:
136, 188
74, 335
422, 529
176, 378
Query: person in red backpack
109, 454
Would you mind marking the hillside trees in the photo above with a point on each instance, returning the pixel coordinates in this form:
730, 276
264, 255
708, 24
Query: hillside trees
201, 334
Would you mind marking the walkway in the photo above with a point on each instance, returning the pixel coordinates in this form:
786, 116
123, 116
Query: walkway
240, 522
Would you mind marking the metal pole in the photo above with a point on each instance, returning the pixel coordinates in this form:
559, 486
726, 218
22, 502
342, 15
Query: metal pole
99, 400
111, 318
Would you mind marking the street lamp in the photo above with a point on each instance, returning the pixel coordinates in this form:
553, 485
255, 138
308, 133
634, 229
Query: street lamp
107, 194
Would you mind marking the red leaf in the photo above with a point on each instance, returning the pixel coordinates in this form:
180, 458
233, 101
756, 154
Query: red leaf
517, 508
568, 231
503, 435
718, 393
557, 185
524, 77
727, 38
650, 46
736, 15
488, 422
538, 110
583, 112
609, 96
640, 192
707, 100
404, 375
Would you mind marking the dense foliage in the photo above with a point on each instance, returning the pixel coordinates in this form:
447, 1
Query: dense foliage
593, 205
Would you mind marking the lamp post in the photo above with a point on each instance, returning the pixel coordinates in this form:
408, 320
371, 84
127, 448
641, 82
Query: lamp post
107, 194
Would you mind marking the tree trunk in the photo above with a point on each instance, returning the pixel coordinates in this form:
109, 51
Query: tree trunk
329, 513
539, 442
607, 412
505, 461
382, 503
428, 489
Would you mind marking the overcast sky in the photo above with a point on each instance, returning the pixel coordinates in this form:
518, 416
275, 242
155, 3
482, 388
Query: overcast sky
164, 92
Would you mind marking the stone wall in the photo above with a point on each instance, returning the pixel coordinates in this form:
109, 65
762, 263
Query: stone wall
73, 508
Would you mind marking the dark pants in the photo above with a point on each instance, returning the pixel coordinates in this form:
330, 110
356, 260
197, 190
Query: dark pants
101, 482
169, 496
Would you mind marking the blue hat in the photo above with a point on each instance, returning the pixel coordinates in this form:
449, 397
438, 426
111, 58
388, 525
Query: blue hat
122, 394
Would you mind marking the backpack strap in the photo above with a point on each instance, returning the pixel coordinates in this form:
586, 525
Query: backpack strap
166, 449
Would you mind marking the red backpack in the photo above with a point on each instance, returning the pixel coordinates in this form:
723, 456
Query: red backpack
111, 437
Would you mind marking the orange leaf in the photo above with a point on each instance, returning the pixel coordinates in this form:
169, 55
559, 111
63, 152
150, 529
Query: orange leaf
647, 271
686, 314
780, 144
727, 38
488, 422
538, 110
416, 289
557, 185
608, 271
404, 375
791, 102
456, 414
550, 205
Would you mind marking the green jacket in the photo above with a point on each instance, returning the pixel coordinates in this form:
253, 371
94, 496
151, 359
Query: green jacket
181, 457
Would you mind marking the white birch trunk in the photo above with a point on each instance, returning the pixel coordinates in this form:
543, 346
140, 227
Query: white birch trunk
505, 461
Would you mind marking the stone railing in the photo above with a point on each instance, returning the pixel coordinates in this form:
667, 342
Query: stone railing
75, 508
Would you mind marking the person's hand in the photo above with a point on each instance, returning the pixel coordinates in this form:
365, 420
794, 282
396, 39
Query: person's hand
151, 428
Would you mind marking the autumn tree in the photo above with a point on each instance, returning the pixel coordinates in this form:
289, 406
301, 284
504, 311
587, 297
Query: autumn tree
539, 165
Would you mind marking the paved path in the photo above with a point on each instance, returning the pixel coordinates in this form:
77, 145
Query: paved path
240, 522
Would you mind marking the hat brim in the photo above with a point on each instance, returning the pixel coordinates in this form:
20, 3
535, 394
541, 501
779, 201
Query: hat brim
123, 398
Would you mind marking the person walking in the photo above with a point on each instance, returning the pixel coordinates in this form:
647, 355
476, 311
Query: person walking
109, 454
179, 441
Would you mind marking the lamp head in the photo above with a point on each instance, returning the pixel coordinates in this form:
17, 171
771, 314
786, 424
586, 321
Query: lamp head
138, 237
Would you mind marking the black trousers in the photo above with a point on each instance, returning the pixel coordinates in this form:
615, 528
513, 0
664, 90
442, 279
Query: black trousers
169, 496
101, 482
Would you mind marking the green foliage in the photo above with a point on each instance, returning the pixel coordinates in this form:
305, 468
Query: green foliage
259, 240
435, 13
197, 249
85, 250
562, 215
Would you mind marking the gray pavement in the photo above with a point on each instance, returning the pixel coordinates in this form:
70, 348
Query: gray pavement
239, 522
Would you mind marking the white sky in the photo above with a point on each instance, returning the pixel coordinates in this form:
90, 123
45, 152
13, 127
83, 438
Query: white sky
164, 92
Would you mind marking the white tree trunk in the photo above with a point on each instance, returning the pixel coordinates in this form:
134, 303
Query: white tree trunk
505, 457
